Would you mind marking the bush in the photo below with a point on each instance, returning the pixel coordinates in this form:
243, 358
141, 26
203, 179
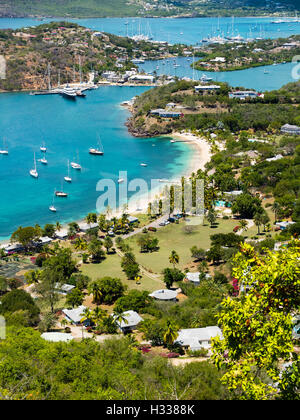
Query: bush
198, 353
19, 300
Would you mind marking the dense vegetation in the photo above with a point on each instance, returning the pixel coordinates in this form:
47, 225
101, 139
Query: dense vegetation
247, 55
215, 110
118, 8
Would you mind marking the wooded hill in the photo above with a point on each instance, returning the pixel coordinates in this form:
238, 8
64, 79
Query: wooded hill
121, 8
209, 110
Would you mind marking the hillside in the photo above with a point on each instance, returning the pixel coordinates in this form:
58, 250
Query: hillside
120, 8
210, 110
29, 51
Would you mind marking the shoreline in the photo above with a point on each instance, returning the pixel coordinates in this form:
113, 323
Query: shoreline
139, 204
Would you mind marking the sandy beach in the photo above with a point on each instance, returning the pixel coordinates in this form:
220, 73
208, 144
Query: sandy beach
200, 157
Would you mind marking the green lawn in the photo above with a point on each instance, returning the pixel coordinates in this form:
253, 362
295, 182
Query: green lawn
175, 237
111, 267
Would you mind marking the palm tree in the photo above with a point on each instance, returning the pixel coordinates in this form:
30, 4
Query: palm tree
58, 226
95, 289
119, 317
87, 315
171, 333
258, 220
174, 258
243, 225
98, 315
80, 244
91, 218
33, 276
64, 322
275, 208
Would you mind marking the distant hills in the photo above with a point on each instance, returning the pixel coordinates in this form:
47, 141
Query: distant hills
119, 8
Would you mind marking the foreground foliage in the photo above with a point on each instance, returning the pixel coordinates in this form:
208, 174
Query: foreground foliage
257, 327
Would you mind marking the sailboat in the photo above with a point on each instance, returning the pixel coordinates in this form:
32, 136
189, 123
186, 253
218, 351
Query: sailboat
97, 151
75, 165
61, 193
43, 160
3, 151
43, 148
33, 172
68, 178
52, 207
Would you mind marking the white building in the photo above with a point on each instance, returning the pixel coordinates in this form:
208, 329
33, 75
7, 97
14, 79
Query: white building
141, 78
130, 322
244, 94
290, 129
74, 315
195, 277
164, 294
197, 338
277, 157
206, 88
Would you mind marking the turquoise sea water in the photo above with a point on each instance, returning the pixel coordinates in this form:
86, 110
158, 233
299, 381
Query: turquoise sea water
189, 31
254, 78
69, 128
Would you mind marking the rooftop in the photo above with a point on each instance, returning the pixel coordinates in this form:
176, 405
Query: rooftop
132, 319
197, 338
164, 294
76, 314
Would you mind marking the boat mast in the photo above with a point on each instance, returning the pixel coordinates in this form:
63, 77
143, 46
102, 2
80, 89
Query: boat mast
49, 76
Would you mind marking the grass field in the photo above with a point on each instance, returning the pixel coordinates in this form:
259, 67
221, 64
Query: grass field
175, 237
111, 267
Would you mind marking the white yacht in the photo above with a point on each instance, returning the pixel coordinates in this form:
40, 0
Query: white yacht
97, 150
144, 164
52, 207
60, 193
33, 172
75, 165
120, 180
43, 160
4, 151
68, 178
69, 92
205, 78
43, 148
138, 61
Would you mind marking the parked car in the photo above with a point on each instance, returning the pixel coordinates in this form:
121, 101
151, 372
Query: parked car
152, 229
171, 219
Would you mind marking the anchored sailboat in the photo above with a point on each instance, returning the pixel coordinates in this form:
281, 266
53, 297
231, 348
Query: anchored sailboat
76, 165
43, 148
68, 178
97, 151
61, 193
52, 207
4, 151
33, 172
